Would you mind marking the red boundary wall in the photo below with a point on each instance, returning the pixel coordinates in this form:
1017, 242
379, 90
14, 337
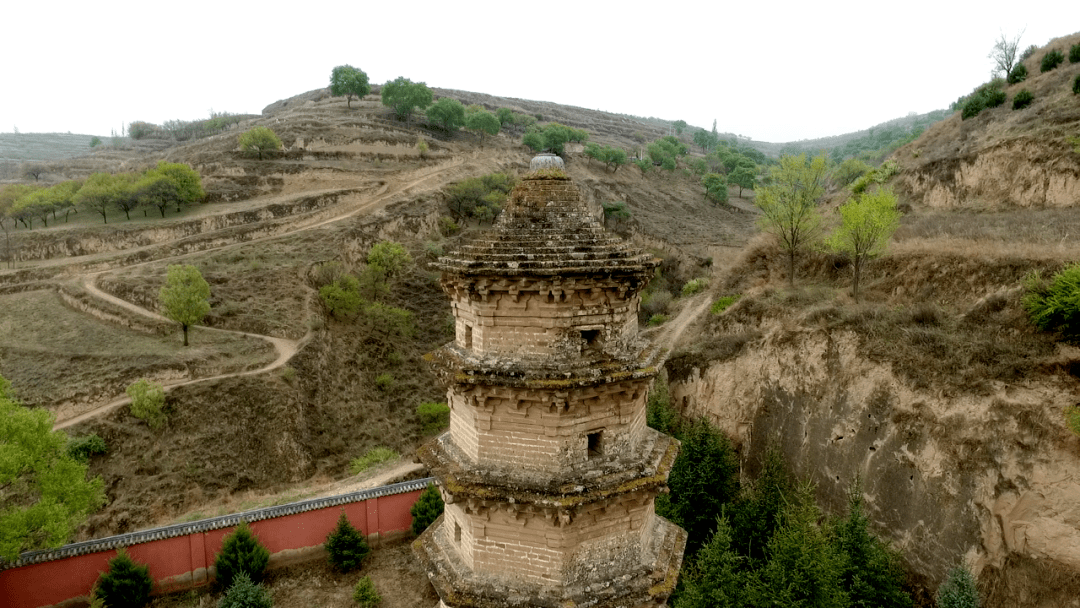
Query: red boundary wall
179, 556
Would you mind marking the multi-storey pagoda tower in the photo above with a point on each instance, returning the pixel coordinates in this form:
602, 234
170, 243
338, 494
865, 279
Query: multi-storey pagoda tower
549, 471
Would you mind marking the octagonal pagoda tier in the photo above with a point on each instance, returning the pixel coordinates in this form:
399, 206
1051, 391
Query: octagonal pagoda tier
548, 471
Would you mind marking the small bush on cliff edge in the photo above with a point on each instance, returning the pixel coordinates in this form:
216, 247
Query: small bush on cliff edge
241, 551
1055, 304
1072, 419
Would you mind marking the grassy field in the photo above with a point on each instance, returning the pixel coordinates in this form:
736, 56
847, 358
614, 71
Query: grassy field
54, 355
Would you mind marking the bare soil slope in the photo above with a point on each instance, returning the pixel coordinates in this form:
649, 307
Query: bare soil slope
1003, 157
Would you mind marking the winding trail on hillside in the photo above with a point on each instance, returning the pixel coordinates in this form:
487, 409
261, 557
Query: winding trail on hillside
285, 348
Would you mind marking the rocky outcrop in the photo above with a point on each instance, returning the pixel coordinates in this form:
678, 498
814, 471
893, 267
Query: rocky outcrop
993, 479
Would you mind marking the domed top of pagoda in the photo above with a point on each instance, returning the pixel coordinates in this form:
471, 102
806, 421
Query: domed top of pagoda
546, 230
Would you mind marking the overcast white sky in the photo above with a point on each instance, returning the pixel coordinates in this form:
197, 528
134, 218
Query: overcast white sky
775, 71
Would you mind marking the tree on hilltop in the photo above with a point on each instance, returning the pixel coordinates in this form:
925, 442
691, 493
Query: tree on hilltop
348, 81
404, 96
1004, 53
185, 296
680, 126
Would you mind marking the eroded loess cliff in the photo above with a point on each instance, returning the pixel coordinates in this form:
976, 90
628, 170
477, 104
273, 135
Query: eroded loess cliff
943, 402
1003, 157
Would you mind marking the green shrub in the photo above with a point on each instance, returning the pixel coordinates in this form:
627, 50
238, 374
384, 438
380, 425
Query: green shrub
659, 414
326, 273
694, 286
364, 594
371, 458
1055, 304
433, 250
1018, 74
1072, 418
723, 303
147, 402
987, 96
342, 297
434, 417
655, 302
1074, 53
85, 447
384, 381
850, 170
1022, 99
126, 584
426, 509
448, 227
958, 590
244, 593
241, 551
644, 164
1051, 60
656, 320
704, 477
346, 547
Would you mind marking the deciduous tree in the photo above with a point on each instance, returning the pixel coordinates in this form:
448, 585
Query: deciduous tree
788, 205
715, 188
99, 194
867, 222
745, 177
448, 114
348, 81
44, 493
185, 296
483, 123
1004, 53
680, 126
404, 96
259, 140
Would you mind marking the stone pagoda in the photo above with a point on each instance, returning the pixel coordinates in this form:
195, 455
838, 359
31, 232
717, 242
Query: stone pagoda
548, 471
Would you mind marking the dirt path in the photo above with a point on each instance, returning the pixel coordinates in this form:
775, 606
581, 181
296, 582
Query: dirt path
672, 331
285, 348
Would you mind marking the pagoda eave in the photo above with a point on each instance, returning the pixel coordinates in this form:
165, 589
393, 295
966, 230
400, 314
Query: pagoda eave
462, 481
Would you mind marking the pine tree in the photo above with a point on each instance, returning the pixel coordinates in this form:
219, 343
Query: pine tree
126, 584
241, 551
346, 546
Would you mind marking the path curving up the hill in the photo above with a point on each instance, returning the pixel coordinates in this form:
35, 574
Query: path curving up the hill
285, 348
